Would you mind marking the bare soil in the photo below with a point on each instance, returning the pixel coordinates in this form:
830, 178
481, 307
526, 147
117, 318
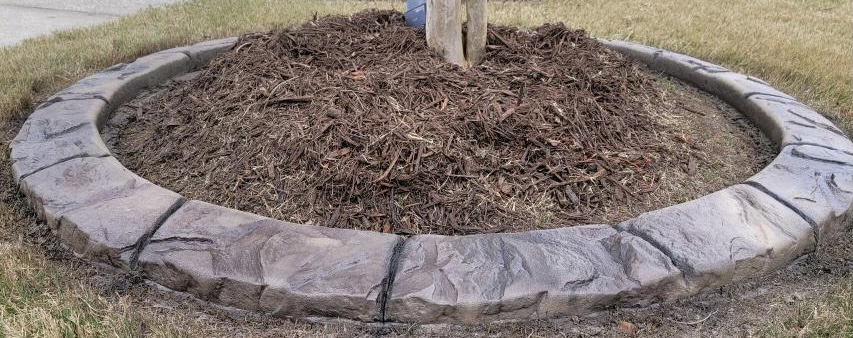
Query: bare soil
353, 122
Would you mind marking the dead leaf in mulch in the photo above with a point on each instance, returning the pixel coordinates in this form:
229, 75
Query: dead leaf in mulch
338, 153
626, 327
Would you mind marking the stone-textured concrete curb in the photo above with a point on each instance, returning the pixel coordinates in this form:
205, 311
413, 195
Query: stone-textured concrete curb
728, 235
120, 83
107, 214
535, 274
814, 181
55, 132
813, 174
256, 263
100, 209
202, 53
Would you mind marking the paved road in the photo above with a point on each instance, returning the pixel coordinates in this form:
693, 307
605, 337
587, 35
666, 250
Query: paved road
24, 19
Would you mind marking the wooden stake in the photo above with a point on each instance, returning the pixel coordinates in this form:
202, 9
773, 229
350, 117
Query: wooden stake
475, 46
444, 30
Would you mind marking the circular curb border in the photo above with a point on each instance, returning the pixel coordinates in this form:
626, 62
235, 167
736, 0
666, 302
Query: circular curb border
107, 214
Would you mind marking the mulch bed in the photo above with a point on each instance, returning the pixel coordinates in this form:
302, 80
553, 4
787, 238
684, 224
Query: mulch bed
353, 122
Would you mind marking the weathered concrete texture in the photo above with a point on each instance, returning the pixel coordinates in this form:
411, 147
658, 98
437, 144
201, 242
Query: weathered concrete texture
121, 82
537, 274
729, 235
730, 87
255, 263
57, 116
29, 157
55, 132
787, 122
733, 88
815, 181
678, 65
110, 231
78, 183
201, 53
633, 51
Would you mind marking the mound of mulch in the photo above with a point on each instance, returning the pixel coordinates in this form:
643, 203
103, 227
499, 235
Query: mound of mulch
353, 122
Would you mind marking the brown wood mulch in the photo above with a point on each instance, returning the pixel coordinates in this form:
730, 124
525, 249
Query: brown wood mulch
352, 122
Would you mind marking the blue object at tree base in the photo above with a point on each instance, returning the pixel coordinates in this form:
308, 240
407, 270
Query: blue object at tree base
416, 13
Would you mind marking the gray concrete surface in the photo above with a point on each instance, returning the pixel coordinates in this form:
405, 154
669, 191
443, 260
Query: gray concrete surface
25, 19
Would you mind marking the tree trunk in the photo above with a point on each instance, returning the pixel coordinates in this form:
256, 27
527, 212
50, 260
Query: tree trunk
444, 30
475, 47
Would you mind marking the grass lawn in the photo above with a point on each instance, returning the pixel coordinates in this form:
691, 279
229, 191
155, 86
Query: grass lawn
803, 47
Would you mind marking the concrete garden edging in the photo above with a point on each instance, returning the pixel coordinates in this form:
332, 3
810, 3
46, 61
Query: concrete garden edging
107, 214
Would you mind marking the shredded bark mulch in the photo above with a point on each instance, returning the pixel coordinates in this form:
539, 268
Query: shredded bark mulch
353, 122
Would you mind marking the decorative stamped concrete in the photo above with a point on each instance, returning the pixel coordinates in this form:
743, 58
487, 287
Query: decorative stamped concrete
728, 235
814, 181
535, 274
256, 263
55, 132
107, 214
